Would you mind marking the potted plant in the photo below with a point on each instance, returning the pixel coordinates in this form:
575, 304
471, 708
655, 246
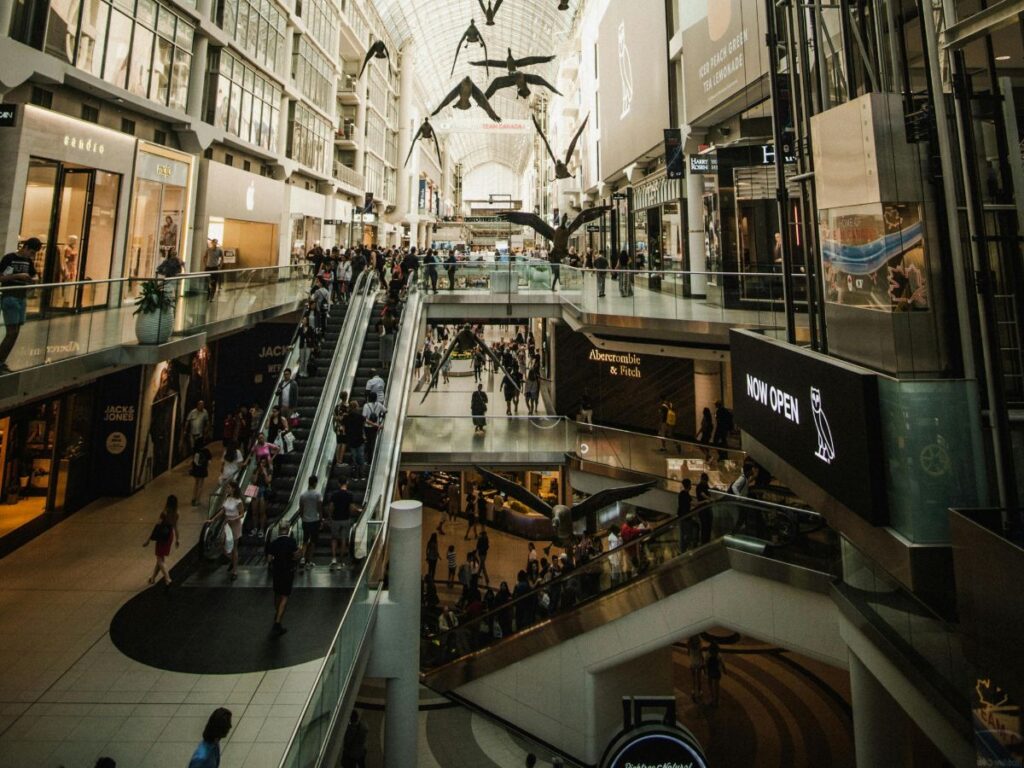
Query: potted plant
154, 313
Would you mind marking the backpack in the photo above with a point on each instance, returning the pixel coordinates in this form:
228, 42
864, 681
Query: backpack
670, 416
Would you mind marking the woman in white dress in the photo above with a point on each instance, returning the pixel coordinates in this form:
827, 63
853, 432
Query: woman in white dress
233, 509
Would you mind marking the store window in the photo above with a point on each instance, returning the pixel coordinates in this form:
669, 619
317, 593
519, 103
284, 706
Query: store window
73, 210
159, 210
242, 102
138, 45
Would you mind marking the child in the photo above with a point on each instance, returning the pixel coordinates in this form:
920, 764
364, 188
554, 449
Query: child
451, 564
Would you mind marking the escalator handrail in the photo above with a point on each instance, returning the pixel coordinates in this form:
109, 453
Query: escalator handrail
671, 527
321, 426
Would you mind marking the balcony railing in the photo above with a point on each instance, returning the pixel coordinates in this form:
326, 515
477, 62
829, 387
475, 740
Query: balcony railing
348, 176
346, 131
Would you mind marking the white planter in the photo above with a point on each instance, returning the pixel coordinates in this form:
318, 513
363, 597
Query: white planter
154, 327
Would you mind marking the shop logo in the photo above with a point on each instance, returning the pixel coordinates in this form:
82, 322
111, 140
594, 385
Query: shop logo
625, 71
119, 413
87, 145
826, 448
117, 442
250, 197
165, 171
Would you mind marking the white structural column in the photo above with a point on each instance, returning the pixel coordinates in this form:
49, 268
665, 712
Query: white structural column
695, 213
404, 205
880, 734
707, 387
401, 717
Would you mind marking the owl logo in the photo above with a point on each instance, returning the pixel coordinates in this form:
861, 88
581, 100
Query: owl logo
826, 448
626, 72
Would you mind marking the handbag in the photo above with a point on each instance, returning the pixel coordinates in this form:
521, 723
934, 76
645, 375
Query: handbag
251, 490
289, 442
293, 420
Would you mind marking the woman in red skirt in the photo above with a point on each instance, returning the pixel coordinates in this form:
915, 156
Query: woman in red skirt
164, 534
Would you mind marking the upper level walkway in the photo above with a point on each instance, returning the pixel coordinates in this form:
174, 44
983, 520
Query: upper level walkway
59, 343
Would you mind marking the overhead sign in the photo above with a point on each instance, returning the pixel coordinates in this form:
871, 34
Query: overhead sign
704, 164
645, 742
674, 164
816, 413
471, 125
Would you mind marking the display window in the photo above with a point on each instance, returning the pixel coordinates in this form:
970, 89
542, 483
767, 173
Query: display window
73, 211
159, 210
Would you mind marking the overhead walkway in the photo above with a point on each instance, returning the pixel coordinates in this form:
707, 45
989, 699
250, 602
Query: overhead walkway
82, 329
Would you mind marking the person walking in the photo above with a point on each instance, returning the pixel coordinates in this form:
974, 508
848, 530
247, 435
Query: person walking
556, 269
693, 647
196, 423
341, 506
478, 407
287, 393
353, 747
706, 431
213, 262
282, 553
586, 411
199, 470
376, 385
625, 276
450, 265
452, 508
311, 509
264, 487
308, 343
715, 668
723, 427
433, 555
684, 505
233, 510
373, 417
354, 425
452, 559
483, 546
430, 260
666, 420
207, 754
471, 515
164, 534
601, 265
508, 389
16, 269
230, 467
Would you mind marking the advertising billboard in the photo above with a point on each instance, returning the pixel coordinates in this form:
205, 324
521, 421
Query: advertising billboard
818, 414
723, 51
632, 53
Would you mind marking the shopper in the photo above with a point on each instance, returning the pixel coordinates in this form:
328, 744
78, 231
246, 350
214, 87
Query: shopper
233, 510
373, 416
706, 431
207, 754
452, 561
684, 504
715, 668
282, 553
625, 275
287, 393
483, 546
586, 411
693, 646
264, 489
723, 427
213, 262
311, 509
376, 385
601, 265
615, 554
433, 555
471, 514
508, 389
556, 269
341, 507
666, 421
231, 466
450, 265
354, 425
430, 260
199, 470
478, 407
164, 534
308, 343
353, 747
196, 424
16, 269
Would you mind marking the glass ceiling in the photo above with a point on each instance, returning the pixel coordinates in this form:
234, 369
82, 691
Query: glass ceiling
434, 28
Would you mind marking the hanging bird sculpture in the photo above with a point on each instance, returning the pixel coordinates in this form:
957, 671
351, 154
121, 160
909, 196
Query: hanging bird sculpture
561, 516
521, 81
466, 341
512, 64
563, 5
377, 51
559, 236
427, 132
562, 168
464, 92
471, 35
490, 10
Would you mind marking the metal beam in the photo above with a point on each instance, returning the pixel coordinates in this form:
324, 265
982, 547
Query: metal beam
1001, 14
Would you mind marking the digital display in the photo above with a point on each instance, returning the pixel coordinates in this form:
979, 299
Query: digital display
818, 414
631, 50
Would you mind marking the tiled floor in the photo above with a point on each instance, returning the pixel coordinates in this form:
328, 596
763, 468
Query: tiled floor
68, 696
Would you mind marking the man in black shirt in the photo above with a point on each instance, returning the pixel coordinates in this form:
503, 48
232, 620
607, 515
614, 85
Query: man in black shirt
283, 553
686, 525
16, 269
340, 506
353, 423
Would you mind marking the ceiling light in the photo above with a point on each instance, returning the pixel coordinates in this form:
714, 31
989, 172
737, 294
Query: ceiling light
1002, 58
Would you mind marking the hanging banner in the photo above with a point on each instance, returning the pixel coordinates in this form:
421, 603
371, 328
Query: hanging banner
674, 153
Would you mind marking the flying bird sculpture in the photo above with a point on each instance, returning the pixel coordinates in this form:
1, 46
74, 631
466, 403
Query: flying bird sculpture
563, 5
512, 64
377, 51
471, 35
428, 133
466, 92
466, 341
490, 10
521, 81
562, 168
561, 516
559, 236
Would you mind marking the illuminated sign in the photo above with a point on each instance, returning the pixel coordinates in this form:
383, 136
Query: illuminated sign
8, 112
86, 145
626, 365
703, 164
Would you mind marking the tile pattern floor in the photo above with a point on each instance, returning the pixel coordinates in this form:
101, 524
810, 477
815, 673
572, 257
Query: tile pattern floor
68, 696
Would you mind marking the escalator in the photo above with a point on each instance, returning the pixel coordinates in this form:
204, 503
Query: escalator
770, 540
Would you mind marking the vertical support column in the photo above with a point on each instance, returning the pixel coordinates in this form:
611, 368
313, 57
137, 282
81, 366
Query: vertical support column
880, 733
707, 387
401, 717
6, 14
698, 261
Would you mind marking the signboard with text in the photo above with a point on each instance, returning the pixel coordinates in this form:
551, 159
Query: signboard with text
674, 164
704, 164
816, 413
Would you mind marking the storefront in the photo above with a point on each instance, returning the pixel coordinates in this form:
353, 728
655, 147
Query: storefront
161, 206
69, 182
656, 225
307, 220
243, 211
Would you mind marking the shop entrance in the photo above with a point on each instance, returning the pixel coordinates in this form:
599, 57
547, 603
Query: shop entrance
73, 210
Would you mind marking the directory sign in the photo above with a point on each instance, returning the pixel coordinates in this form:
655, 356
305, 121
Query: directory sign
818, 414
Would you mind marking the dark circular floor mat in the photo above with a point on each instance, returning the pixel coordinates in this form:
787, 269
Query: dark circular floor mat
214, 630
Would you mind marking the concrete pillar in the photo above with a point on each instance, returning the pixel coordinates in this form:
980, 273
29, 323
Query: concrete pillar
695, 213
707, 387
404, 193
6, 14
197, 78
880, 732
401, 717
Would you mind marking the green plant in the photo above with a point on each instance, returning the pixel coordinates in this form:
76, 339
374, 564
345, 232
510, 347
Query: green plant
152, 298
